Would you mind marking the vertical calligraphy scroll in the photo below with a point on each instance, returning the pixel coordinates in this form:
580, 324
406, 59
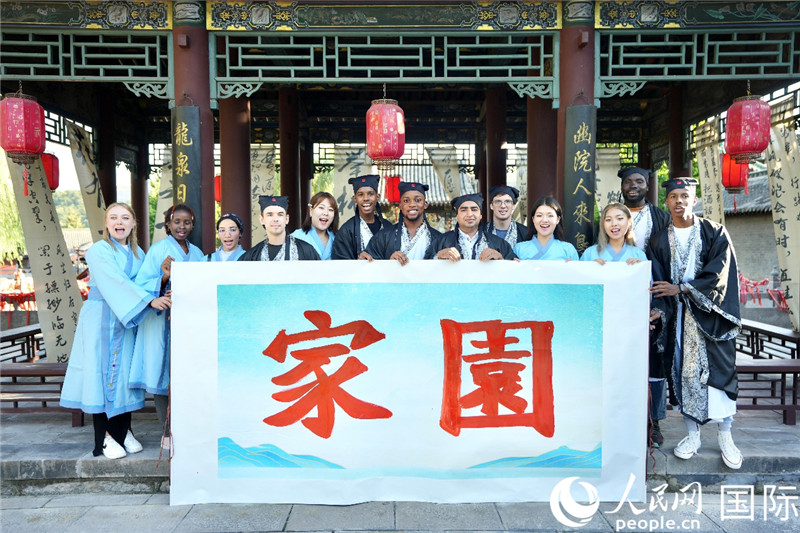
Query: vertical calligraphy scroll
163, 202
58, 298
580, 127
262, 181
348, 162
607, 183
445, 164
708, 160
84, 158
520, 213
186, 164
783, 164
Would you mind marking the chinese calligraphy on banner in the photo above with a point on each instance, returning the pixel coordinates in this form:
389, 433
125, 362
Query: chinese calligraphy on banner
83, 156
579, 148
445, 164
348, 162
262, 181
58, 299
372, 386
163, 202
709, 163
186, 164
607, 183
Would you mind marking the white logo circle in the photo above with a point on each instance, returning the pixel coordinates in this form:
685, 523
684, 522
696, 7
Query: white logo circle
569, 512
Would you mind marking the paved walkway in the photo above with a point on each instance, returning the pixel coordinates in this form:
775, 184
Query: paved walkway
51, 482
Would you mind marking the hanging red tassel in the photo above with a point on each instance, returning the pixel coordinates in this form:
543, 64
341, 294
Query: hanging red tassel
25, 175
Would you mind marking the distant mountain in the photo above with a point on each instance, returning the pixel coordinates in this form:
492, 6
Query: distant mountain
231, 454
562, 457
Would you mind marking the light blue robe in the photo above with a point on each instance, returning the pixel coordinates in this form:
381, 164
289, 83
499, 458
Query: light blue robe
236, 254
97, 373
150, 365
608, 254
312, 238
553, 251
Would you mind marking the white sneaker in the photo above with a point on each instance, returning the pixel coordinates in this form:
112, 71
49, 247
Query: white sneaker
112, 449
131, 444
731, 455
688, 447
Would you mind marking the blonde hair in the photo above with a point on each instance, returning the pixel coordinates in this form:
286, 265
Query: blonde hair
602, 236
132, 237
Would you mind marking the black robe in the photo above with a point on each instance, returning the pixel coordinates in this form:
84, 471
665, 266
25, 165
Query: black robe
305, 252
347, 244
450, 240
713, 303
522, 231
388, 240
661, 219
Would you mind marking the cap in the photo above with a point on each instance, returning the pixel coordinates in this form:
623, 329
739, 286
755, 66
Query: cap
625, 172
494, 190
369, 180
679, 183
458, 200
405, 186
281, 201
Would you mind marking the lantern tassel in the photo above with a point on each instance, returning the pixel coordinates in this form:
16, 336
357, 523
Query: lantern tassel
734, 203
25, 175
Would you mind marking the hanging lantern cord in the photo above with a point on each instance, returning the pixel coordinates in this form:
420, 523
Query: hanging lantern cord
748, 87
384, 91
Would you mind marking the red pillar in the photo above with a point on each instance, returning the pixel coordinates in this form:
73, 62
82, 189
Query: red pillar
676, 148
106, 153
542, 149
290, 153
480, 174
495, 106
306, 174
576, 69
645, 162
192, 87
234, 140
140, 200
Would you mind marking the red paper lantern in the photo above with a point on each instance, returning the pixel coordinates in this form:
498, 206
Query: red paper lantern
392, 192
217, 188
386, 133
22, 132
50, 164
734, 174
747, 130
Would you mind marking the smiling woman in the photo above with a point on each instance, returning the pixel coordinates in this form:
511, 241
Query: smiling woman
321, 224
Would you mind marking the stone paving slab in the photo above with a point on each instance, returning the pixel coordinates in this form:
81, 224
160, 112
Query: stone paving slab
234, 517
42, 520
372, 515
538, 516
440, 516
150, 518
23, 502
91, 500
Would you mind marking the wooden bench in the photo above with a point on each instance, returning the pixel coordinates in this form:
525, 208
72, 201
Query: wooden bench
23, 344
34, 388
769, 384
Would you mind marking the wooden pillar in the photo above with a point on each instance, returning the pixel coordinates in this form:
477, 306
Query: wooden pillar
495, 106
542, 149
192, 87
140, 199
290, 153
576, 69
480, 174
306, 174
677, 155
234, 140
106, 152
645, 161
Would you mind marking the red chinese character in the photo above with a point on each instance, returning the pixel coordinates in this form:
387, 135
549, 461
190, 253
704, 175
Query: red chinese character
325, 390
497, 372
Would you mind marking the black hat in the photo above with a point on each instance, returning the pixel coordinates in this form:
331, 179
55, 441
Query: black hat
369, 180
625, 172
458, 200
494, 190
679, 183
281, 201
235, 218
406, 186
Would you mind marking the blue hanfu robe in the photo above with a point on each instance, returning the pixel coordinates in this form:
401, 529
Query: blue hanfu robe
102, 350
608, 253
313, 239
235, 254
553, 251
150, 365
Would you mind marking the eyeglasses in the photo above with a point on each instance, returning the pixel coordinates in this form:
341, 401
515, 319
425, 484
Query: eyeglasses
503, 202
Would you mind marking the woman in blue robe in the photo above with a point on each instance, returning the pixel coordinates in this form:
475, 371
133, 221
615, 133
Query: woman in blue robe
545, 234
97, 374
229, 230
320, 225
615, 241
150, 365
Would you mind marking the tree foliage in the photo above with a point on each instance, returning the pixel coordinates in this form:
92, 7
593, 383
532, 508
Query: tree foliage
12, 241
70, 209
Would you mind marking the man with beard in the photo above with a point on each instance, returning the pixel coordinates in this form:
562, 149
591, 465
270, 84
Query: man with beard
469, 240
696, 294
502, 200
355, 234
647, 221
278, 246
412, 237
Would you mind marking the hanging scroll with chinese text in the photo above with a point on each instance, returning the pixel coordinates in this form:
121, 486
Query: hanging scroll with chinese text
262, 181
579, 130
708, 161
348, 162
186, 165
84, 158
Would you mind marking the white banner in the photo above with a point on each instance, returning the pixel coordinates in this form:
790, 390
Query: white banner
445, 164
348, 162
520, 213
783, 163
346, 382
709, 163
606, 181
262, 181
84, 158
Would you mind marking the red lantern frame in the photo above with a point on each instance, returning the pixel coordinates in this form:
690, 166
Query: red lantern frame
386, 133
51, 170
747, 128
734, 175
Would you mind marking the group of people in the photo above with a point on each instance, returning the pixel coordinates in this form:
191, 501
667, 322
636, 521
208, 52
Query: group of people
121, 347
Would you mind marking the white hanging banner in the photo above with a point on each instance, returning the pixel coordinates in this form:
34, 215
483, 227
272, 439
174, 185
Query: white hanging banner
348, 162
84, 158
520, 213
709, 163
606, 181
783, 164
445, 164
163, 202
262, 181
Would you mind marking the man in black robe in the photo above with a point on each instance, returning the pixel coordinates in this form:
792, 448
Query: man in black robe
696, 294
502, 200
469, 239
278, 246
355, 234
412, 237
647, 221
